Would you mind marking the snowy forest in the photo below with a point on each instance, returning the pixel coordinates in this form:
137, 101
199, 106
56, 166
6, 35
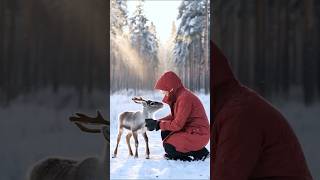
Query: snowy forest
53, 63
148, 38
138, 57
272, 45
52, 45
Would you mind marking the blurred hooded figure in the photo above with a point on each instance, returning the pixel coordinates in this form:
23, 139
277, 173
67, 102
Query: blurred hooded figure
251, 140
185, 131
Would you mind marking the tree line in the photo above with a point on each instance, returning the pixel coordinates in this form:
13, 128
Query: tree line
139, 64
273, 45
134, 48
52, 44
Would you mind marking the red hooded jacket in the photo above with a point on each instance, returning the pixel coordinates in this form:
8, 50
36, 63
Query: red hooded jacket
251, 140
188, 121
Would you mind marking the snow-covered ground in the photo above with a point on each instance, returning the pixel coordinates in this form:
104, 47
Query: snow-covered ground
37, 126
126, 167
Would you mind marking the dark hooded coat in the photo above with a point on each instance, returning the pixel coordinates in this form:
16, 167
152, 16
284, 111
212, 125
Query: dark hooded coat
251, 140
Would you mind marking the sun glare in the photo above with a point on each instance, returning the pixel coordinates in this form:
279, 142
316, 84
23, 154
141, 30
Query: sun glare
161, 13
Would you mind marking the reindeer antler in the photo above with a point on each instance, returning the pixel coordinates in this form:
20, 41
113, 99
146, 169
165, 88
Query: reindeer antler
85, 129
138, 99
81, 118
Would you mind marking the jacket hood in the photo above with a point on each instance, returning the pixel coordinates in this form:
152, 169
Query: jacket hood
221, 68
224, 81
169, 81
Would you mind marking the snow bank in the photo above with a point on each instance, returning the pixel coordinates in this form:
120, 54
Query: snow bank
36, 126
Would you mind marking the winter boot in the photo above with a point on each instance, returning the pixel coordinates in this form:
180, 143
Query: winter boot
202, 154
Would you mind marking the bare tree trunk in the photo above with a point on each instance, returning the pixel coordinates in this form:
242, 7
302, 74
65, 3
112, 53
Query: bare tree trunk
308, 75
260, 61
2, 28
10, 49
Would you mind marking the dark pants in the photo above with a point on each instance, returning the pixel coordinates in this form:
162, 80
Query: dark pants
172, 153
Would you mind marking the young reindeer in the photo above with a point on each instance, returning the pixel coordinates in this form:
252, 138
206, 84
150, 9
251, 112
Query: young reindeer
91, 168
135, 123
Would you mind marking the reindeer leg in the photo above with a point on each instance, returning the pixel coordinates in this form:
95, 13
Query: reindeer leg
147, 145
128, 143
118, 140
135, 137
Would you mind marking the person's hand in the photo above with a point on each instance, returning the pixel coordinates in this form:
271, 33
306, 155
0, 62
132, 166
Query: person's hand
152, 124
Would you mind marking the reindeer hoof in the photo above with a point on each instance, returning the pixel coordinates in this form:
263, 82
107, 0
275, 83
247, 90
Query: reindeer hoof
135, 156
147, 157
114, 156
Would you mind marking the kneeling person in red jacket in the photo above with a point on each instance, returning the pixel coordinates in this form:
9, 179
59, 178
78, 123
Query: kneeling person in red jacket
251, 139
185, 132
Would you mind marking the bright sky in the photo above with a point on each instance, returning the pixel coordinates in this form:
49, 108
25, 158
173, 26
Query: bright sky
161, 12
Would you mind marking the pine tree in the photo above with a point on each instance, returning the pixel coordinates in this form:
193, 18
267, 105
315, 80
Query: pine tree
191, 14
118, 22
119, 14
145, 41
151, 44
138, 26
188, 50
170, 46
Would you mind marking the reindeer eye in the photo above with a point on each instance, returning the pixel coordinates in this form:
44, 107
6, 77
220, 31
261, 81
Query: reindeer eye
152, 103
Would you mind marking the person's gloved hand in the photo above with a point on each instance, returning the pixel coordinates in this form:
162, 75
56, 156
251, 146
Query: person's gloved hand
152, 124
